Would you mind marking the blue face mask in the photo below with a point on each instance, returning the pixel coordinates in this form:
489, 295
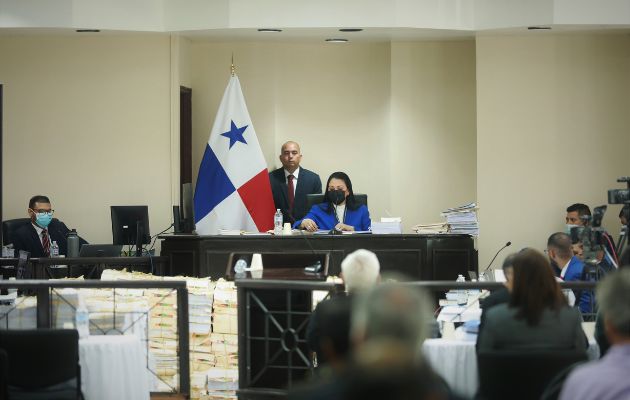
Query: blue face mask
43, 219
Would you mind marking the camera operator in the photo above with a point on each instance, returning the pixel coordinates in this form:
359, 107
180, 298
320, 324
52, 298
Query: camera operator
577, 215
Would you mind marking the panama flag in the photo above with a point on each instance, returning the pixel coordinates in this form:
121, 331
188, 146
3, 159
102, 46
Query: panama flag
233, 190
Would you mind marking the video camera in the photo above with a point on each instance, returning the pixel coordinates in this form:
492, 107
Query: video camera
620, 196
591, 235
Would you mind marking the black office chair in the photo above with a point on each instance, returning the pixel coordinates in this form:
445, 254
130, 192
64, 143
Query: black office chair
523, 374
312, 199
4, 375
43, 363
11, 225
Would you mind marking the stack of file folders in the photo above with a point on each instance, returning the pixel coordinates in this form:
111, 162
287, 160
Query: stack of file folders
463, 219
431, 229
223, 378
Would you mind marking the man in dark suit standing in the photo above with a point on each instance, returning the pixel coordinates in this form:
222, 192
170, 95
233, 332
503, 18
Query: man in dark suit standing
291, 184
38, 236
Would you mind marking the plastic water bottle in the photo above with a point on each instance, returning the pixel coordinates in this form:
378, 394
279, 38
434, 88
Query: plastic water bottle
82, 320
54, 249
7, 251
73, 244
277, 223
462, 296
240, 266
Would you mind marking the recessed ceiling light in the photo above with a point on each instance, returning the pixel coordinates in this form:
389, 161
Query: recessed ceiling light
350, 29
269, 30
88, 30
539, 28
336, 40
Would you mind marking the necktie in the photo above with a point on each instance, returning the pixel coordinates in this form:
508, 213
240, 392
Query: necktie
46, 243
291, 191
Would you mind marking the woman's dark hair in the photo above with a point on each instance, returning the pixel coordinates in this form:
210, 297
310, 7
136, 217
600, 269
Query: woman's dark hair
350, 201
534, 287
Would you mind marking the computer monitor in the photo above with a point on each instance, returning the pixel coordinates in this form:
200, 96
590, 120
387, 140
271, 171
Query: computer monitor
130, 226
188, 218
100, 250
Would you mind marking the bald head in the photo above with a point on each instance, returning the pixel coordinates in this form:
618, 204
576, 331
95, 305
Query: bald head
290, 156
290, 144
560, 242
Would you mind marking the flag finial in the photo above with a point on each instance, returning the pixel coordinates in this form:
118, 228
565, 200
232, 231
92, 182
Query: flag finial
233, 68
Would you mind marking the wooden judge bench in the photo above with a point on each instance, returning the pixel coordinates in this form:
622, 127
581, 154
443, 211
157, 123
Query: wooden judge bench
420, 257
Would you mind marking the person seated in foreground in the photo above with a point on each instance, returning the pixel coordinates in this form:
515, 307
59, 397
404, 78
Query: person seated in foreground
388, 327
328, 331
338, 211
607, 378
501, 295
38, 236
537, 315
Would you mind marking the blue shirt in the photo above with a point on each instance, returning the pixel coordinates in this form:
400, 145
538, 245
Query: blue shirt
574, 273
604, 379
326, 219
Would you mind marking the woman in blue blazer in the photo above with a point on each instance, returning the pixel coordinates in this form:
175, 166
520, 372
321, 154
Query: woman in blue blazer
339, 211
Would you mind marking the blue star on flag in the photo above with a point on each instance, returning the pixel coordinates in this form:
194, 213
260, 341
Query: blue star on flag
235, 134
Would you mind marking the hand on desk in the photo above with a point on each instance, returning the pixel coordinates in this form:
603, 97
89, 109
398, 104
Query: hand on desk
344, 227
309, 225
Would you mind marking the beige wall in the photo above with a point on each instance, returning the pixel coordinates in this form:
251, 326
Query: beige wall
87, 122
433, 134
387, 114
552, 129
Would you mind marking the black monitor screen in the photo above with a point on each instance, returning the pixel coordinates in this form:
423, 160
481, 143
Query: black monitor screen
125, 224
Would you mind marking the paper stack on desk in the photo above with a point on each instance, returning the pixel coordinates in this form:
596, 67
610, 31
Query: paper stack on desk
225, 311
222, 383
223, 379
431, 229
463, 219
200, 300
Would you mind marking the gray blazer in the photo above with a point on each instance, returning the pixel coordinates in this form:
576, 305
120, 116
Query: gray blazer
561, 330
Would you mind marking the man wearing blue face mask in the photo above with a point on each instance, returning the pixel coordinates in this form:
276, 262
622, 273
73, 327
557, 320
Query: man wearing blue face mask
38, 236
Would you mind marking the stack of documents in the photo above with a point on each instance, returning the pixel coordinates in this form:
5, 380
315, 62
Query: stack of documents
225, 311
223, 379
431, 229
21, 315
212, 314
463, 219
222, 383
200, 300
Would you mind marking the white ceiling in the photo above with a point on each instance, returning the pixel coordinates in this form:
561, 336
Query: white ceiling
306, 20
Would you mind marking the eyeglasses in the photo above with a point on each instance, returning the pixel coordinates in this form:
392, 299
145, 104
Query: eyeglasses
51, 212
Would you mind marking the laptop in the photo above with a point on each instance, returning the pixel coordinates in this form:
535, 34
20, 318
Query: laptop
100, 250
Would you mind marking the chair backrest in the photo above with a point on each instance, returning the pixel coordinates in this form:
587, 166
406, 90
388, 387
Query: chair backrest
10, 226
312, 199
522, 374
39, 358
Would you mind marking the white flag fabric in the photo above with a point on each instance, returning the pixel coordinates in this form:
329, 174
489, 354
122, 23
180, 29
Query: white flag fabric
233, 190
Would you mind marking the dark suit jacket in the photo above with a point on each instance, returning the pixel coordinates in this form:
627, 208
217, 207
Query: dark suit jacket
308, 183
26, 238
